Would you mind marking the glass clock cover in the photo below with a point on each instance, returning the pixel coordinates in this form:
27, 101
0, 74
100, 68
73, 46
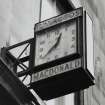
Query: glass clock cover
56, 42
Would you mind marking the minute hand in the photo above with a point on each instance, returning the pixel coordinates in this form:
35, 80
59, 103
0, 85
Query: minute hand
54, 46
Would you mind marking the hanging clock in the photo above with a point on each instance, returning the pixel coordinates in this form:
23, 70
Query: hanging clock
60, 65
59, 40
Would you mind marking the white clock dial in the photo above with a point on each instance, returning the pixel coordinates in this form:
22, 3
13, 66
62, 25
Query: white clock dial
56, 43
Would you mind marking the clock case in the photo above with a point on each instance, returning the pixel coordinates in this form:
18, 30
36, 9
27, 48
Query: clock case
71, 81
79, 38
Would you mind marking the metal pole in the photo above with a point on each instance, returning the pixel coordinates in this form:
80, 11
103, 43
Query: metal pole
40, 11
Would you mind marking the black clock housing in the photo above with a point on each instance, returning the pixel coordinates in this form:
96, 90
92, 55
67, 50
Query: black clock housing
66, 74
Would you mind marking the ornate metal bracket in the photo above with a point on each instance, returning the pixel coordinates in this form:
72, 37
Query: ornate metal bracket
19, 58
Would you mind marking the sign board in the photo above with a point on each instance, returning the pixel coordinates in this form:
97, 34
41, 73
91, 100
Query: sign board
56, 70
60, 65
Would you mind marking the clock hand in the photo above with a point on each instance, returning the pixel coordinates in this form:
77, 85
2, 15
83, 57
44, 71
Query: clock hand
54, 46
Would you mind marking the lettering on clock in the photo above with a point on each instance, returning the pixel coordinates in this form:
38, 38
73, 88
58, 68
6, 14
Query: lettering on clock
41, 49
57, 32
65, 53
48, 59
73, 38
56, 56
48, 35
73, 32
72, 46
42, 42
54, 46
40, 56
66, 28
49, 42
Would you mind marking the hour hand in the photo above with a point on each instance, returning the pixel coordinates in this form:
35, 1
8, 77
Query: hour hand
54, 46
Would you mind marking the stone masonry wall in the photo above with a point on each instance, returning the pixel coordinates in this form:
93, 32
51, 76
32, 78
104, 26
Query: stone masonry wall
95, 95
17, 19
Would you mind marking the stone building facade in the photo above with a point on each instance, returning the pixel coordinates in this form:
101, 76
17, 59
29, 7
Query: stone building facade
95, 95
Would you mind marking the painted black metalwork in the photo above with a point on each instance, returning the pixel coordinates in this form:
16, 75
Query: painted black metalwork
14, 62
12, 90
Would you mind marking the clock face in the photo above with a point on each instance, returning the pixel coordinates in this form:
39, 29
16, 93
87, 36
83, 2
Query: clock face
56, 42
